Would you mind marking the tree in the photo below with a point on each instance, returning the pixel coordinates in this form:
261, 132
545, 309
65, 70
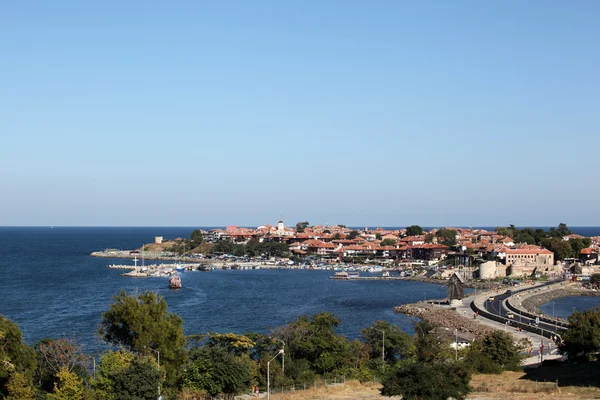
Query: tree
429, 347
197, 238
446, 237
582, 340
314, 342
141, 323
397, 342
388, 242
111, 364
595, 278
15, 356
495, 349
378, 236
337, 236
217, 371
19, 387
140, 380
68, 387
577, 245
414, 230
429, 238
415, 380
233, 343
56, 355
301, 226
353, 235
561, 248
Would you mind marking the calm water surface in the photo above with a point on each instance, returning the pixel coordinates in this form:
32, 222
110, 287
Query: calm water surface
564, 306
51, 287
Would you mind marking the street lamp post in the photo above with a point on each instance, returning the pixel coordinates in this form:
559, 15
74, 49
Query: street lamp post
269, 373
158, 362
282, 356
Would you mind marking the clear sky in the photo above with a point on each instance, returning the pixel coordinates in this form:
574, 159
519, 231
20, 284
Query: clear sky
198, 113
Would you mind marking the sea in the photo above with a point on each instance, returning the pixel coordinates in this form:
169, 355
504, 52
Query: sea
51, 287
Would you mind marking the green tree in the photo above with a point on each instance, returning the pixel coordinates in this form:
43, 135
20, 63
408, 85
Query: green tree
197, 238
561, 248
15, 356
140, 380
388, 242
495, 349
595, 278
217, 371
397, 344
68, 387
414, 230
577, 245
141, 323
582, 340
337, 236
19, 387
111, 364
429, 238
315, 342
446, 237
428, 347
415, 380
233, 343
301, 226
353, 235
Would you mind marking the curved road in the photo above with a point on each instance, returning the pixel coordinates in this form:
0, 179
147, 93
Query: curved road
495, 307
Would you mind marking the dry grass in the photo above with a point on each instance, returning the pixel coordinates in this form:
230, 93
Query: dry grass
349, 391
516, 385
509, 385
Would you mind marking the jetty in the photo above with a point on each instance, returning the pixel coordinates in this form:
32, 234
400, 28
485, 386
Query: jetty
368, 278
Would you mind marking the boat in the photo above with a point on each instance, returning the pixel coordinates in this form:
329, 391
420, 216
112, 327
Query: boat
180, 268
339, 275
175, 282
385, 274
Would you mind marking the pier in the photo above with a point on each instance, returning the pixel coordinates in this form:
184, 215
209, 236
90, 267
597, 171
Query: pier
368, 278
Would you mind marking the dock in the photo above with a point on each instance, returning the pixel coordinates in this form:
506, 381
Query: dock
367, 278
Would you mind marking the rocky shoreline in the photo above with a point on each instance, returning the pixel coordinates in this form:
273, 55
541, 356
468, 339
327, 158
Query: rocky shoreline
470, 284
444, 317
532, 303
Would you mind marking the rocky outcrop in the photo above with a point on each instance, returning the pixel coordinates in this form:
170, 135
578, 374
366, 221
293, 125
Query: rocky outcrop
444, 317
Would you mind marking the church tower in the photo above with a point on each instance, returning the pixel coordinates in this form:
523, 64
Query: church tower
280, 227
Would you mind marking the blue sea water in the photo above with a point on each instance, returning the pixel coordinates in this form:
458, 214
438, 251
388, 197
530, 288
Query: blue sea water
564, 306
51, 287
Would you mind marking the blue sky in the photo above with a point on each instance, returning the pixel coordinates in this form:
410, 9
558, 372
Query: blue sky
239, 112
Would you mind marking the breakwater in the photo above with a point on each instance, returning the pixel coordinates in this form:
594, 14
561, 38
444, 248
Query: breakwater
445, 317
473, 284
532, 303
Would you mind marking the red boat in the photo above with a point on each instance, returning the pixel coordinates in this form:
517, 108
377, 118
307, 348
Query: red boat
175, 282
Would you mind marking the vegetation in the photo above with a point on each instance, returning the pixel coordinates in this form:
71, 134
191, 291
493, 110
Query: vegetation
224, 365
581, 342
352, 235
414, 230
388, 242
301, 226
551, 239
253, 248
447, 237
142, 324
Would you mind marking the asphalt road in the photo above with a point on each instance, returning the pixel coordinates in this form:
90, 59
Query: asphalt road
495, 307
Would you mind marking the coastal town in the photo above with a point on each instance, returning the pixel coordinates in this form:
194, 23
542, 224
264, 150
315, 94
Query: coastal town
433, 254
